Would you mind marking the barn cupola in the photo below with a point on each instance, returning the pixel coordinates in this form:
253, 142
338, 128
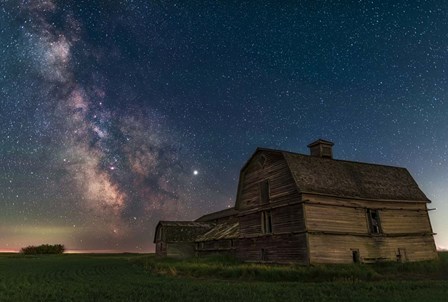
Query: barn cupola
321, 148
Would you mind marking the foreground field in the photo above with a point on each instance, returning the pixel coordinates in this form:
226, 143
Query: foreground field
146, 278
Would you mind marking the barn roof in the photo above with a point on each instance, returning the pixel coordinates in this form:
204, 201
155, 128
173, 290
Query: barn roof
353, 179
182, 231
225, 230
218, 215
349, 179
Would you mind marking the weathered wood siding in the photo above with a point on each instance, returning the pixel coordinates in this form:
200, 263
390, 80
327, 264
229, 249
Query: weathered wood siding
160, 241
180, 249
336, 219
285, 219
214, 247
281, 184
330, 200
327, 248
350, 216
286, 248
287, 242
405, 221
160, 248
338, 225
355, 220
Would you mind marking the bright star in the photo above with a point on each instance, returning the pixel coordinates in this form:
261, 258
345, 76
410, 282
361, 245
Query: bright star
195, 172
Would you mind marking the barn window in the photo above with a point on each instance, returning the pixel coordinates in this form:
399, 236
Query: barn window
266, 222
264, 191
374, 221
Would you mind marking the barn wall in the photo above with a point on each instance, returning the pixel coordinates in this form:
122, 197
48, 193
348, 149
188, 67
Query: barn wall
161, 248
281, 183
180, 249
330, 200
217, 247
326, 248
350, 216
287, 242
284, 248
354, 220
285, 219
337, 225
404, 221
336, 219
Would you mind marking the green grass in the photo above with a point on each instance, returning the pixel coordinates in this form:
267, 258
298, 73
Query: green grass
228, 268
128, 277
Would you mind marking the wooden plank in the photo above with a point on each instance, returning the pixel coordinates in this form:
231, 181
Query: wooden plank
326, 248
276, 248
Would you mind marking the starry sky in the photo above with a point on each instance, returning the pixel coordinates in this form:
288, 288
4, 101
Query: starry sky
109, 107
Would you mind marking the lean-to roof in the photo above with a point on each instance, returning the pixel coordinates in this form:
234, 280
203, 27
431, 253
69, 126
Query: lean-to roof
225, 230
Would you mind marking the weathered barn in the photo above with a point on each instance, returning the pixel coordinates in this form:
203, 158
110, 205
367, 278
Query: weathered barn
315, 209
177, 238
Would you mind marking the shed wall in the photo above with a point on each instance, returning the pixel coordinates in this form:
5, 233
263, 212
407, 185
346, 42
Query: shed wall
180, 249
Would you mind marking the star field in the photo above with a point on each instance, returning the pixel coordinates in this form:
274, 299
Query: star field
118, 114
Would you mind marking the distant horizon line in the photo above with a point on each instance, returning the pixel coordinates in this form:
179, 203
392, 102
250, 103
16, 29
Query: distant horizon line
86, 251
109, 251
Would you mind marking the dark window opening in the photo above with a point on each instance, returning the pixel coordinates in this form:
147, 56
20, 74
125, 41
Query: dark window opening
374, 221
355, 256
266, 222
232, 244
264, 191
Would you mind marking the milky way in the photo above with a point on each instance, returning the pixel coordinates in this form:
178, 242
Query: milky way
118, 114
123, 170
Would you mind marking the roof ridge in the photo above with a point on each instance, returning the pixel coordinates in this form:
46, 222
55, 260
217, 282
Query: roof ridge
335, 159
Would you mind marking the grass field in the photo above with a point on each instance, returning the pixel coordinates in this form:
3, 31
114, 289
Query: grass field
127, 277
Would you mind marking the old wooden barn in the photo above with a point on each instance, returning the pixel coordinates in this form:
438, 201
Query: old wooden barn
315, 209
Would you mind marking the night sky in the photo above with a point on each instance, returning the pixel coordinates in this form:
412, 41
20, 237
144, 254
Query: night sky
109, 107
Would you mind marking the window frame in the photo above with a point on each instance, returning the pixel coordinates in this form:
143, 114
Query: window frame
266, 222
374, 222
264, 187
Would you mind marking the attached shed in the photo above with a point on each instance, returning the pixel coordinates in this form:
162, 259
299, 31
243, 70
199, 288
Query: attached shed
221, 239
177, 238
